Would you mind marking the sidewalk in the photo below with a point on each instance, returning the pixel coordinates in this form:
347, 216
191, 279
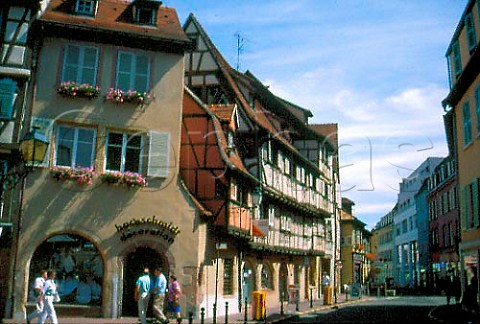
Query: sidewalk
273, 315
290, 310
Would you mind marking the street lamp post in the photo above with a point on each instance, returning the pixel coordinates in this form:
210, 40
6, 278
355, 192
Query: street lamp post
33, 148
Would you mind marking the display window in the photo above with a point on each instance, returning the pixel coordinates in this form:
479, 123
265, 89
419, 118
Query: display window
78, 265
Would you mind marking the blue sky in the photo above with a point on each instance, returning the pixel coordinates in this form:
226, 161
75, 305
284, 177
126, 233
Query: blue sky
377, 68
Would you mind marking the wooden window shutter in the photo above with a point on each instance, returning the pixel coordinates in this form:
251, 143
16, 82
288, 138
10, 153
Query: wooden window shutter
158, 156
475, 203
7, 97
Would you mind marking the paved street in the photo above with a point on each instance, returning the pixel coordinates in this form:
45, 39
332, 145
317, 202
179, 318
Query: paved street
404, 309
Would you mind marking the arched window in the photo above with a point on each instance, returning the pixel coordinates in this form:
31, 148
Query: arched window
267, 278
78, 265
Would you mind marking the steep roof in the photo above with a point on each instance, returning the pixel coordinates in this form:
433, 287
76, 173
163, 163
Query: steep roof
116, 16
329, 131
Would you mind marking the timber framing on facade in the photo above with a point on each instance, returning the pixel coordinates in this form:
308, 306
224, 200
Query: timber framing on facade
239, 142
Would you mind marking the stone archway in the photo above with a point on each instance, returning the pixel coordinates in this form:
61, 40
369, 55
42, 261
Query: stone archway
134, 264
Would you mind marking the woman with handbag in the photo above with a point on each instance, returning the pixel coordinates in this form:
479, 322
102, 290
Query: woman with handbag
49, 295
174, 294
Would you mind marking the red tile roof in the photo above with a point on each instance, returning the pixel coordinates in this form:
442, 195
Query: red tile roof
116, 16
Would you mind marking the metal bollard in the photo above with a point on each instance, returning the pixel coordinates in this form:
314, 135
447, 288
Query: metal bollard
190, 317
281, 303
226, 312
214, 313
245, 319
202, 315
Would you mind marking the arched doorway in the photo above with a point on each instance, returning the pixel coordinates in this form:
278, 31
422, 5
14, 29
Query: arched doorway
248, 282
135, 262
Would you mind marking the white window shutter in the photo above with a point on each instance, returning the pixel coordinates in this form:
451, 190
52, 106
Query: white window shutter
158, 156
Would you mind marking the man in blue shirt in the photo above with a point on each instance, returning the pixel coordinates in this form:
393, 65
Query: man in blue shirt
142, 289
158, 292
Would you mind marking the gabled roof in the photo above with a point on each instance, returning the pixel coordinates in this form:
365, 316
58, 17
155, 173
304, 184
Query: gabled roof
229, 73
115, 16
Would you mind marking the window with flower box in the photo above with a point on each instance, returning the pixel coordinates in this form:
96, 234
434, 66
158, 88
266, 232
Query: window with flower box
80, 65
75, 147
133, 71
124, 152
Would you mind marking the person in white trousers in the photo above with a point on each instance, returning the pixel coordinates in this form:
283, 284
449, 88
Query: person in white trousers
48, 295
37, 289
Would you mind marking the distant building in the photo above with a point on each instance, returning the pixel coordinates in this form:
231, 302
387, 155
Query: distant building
444, 231
462, 122
407, 268
355, 247
383, 264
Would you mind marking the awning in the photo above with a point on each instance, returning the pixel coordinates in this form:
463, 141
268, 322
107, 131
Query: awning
256, 231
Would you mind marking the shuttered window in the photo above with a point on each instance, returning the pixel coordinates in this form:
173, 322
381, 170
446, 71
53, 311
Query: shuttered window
7, 96
467, 124
457, 61
158, 157
80, 64
471, 37
477, 108
470, 213
133, 71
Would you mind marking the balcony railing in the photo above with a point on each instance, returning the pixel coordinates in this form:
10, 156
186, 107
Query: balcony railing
298, 191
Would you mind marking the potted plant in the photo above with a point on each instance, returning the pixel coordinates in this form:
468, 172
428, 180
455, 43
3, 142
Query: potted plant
132, 96
130, 179
72, 89
83, 176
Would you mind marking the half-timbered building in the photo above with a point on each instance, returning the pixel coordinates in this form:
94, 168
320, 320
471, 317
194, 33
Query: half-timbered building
16, 17
267, 177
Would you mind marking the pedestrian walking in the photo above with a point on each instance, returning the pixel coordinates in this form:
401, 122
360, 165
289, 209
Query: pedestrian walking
49, 295
325, 283
174, 294
142, 290
448, 289
158, 294
456, 289
37, 291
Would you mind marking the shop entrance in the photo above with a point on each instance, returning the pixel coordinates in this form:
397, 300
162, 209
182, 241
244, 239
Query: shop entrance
133, 268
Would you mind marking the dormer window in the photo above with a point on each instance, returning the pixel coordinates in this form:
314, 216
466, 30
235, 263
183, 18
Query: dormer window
146, 16
85, 7
145, 12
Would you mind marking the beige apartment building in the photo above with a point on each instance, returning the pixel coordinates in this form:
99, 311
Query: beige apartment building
107, 201
462, 117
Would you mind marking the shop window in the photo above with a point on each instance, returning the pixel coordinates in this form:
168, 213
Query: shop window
78, 265
123, 152
228, 276
75, 147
